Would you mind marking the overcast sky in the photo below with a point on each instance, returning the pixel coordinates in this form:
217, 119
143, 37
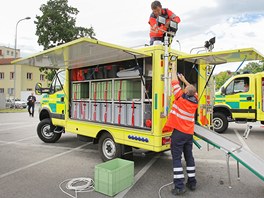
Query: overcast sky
234, 23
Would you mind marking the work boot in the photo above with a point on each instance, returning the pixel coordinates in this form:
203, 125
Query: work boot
177, 191
192, 187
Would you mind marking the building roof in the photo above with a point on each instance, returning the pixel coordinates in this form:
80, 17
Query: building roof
6, 61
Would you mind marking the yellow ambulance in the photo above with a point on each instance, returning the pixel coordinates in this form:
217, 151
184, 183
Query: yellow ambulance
120, 97
240, 99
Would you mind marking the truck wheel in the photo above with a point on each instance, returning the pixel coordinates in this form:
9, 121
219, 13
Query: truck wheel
220, 122
45, 131
108, 149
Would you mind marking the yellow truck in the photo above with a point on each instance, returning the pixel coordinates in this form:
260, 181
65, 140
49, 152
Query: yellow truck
240, 99
120, 97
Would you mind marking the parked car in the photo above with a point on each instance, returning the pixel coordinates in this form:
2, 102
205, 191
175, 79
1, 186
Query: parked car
18, 103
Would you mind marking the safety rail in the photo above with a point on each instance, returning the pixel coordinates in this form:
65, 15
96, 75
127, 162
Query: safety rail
243, 156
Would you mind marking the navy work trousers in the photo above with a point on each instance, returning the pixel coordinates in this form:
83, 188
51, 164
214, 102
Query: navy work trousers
182, 143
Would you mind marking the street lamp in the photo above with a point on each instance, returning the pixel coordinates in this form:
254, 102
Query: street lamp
27, 18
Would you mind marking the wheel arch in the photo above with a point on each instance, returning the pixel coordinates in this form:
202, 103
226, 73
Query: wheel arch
44, 113
100, 133
223, 109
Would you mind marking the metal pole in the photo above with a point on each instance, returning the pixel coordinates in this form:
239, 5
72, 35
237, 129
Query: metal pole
166, 65
238, 172
15, 58
228, 170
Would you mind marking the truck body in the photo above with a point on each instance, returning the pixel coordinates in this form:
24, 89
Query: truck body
240, 99
120, 97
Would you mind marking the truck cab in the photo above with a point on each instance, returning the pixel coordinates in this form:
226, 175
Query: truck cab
52, 108
240, 99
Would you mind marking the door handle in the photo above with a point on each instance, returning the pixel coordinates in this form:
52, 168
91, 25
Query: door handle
249, 98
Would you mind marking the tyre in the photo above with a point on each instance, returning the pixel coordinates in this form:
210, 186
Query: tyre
220, 122
45, 131
108, 149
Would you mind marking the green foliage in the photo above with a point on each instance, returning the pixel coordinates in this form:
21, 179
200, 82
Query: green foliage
253, 67
49, 73
221, 78
57, 26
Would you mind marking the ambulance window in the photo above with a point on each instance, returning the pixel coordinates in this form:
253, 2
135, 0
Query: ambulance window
229, 88
58, 80
238, 85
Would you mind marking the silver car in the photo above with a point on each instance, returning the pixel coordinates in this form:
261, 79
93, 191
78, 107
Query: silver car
18, 103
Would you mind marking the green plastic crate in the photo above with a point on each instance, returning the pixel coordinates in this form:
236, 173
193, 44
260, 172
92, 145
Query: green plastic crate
114, 176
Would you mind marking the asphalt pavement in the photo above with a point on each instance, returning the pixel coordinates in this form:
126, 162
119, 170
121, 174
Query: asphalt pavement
30, 168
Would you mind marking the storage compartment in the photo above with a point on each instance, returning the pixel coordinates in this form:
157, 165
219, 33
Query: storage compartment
147, 115
127, 90
106, 90
80, 91
120, 114
75, 110
106, 115
110, 71
134, 115
96, 93
95, 113
84, 110
114, 176
99, 72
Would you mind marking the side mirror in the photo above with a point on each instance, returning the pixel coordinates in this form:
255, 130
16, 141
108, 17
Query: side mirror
38, 89
223, 91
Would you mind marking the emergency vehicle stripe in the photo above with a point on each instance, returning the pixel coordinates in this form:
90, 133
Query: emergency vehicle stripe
178, 169
190, 168
178, 176
182, 111
182, 117
191, 174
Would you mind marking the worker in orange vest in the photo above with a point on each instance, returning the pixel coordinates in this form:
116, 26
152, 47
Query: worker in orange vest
181, 122
157, 10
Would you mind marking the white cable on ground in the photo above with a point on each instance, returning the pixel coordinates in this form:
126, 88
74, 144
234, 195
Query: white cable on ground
86, 186
163, 187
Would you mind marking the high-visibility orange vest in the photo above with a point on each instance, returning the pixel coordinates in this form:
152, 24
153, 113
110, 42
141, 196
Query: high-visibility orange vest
166, 13
182, 114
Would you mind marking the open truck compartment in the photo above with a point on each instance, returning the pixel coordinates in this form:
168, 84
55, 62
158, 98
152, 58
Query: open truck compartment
117, 93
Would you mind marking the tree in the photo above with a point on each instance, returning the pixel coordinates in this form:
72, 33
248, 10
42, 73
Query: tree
221, 78
57, 26
253, 67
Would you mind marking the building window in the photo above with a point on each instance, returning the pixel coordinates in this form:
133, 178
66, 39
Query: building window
12, 75
42, 77
1, 53
29, 76
10, 91
29, 89
2, 90
2, 75
12, 53
7, 52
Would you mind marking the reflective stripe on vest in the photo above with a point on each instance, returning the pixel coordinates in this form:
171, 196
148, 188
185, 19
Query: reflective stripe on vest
182, 116
182, 111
